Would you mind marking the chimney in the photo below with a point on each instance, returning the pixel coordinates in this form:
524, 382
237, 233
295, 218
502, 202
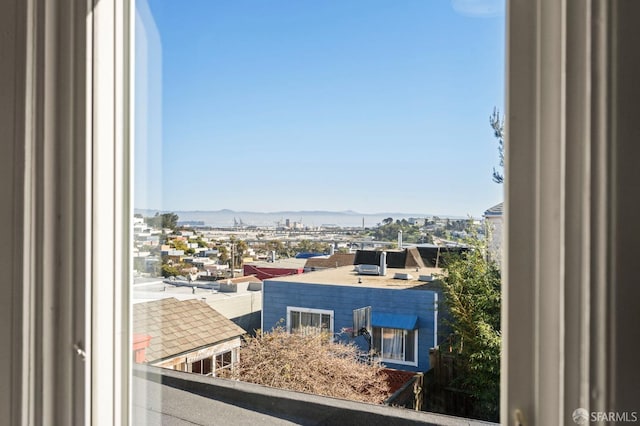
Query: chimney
273, 255
383, 263
400, 240
331, 249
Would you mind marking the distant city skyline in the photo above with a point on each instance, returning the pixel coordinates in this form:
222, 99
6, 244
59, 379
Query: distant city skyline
232, 218
369, 106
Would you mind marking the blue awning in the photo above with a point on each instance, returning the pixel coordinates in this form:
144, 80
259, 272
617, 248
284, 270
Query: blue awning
401, 321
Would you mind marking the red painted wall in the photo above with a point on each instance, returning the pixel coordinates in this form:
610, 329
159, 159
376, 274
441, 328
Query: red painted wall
140, 344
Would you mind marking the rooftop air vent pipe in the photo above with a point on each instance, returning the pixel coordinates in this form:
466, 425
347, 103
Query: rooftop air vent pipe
400, 240
383, 263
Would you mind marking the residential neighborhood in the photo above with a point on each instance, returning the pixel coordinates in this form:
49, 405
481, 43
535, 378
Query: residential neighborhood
276, 213
202, 293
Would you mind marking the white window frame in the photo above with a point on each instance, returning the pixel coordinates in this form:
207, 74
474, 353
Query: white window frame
309, 311
357, 325
568, 301
201, 360
67, 173
571, 156
404, 350
234, 356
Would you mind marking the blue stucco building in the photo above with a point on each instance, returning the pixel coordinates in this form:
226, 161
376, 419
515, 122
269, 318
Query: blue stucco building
398, 309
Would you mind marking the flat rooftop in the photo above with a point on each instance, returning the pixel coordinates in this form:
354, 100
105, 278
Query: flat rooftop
160, 290
347, 276
289, 263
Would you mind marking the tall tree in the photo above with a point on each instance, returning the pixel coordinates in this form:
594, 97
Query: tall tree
169, 220
497, 124
223, 253
471, 290
240, 248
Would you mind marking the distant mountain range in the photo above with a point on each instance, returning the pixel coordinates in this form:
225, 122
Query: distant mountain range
346, 218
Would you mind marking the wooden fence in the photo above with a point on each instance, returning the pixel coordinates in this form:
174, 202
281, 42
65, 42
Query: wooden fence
409, 394
441, 395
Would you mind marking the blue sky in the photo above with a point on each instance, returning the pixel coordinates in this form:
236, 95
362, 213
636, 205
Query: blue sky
365, 105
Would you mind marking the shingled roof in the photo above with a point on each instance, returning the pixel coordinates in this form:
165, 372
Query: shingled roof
496, 210
242, 279
178, 327
334, 261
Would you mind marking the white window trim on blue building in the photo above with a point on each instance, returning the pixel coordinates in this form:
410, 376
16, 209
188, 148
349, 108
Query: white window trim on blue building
291, 309
379, 347
361, 319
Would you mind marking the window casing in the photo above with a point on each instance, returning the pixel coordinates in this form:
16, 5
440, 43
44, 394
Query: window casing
309, 321
224, 360
361, 319
202, 366
396, 346
530, 203
210, 366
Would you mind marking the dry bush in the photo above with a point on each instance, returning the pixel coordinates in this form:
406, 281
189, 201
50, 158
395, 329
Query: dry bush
309, 364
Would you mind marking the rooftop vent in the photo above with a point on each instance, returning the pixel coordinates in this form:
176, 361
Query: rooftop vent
402, 276
425, 278
383, 263
367, 269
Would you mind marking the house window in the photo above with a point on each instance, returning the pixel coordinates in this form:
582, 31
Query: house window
309, 321
202, 366
396, 345
361, 319
224, 360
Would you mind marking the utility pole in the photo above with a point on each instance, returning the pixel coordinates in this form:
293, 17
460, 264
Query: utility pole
233, 261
